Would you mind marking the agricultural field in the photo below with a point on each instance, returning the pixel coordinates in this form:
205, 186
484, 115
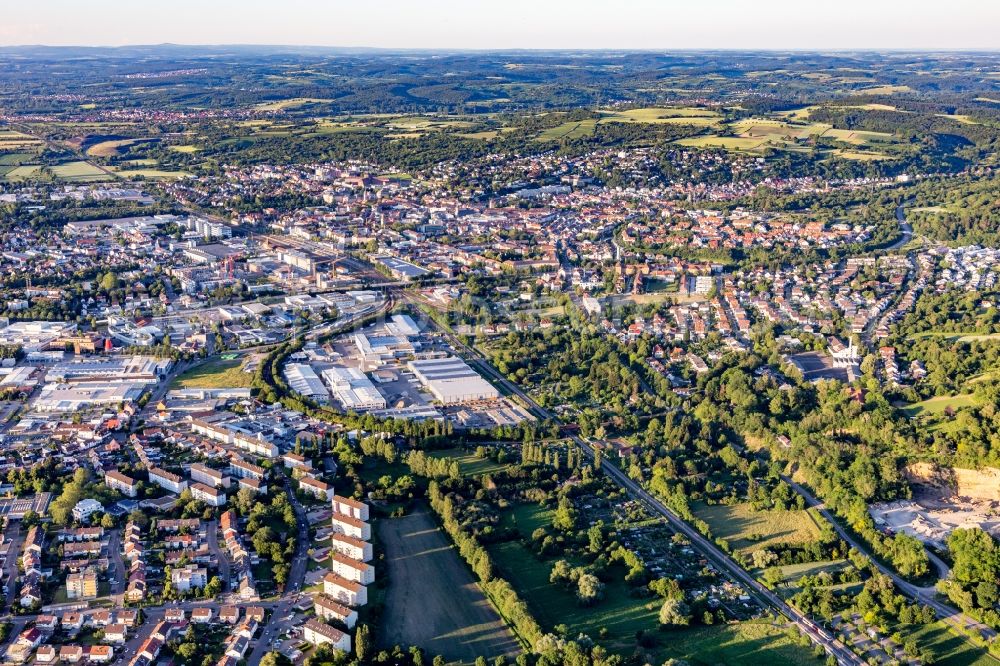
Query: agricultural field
219, 373
756, 134
747, 530
568, 130
664, 115
294, 103
113, 147
152, 174
23, 172
78, 172
651, 116
434, 601
734, 143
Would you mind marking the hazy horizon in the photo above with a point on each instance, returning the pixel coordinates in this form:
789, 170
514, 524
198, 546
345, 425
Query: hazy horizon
921, 25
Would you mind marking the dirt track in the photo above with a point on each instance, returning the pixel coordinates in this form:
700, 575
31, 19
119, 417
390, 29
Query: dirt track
433, 600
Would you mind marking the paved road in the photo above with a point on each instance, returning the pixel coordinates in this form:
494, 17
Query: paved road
221, 557
120, 578
832, 646
10, 564
904, 228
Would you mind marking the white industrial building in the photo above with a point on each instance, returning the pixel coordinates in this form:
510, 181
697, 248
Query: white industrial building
304, 380
130, 369
71, 398
353, 389
33, 335
452, 381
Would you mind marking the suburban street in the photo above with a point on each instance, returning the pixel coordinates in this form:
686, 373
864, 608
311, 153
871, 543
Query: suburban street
120, 578
221, 557
10, 566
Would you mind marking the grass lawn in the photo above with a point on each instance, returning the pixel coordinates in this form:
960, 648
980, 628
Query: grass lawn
215, 374
794, 573
468, 463
755, 642
526, 518
949, 648
937, 405
747, 530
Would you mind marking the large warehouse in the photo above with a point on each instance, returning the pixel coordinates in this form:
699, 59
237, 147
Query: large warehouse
303, 379
452, 381
353, 389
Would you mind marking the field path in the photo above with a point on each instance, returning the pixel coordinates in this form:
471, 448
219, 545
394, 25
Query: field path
433, 600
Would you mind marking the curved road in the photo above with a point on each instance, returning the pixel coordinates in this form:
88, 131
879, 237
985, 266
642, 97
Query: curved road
904, 227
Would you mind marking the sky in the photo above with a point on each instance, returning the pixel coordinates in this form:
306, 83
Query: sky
501, 24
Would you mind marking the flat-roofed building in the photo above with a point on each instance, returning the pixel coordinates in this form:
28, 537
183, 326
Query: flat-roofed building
353, 390
187, 577
75, 397
303, 380
81, 585
113, 369
451, 381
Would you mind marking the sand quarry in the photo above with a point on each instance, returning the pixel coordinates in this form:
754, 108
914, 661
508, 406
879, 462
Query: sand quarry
944, 499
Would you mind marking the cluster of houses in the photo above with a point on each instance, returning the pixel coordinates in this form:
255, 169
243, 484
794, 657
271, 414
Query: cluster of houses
52, 639
241, 572
31, 566
134, 552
